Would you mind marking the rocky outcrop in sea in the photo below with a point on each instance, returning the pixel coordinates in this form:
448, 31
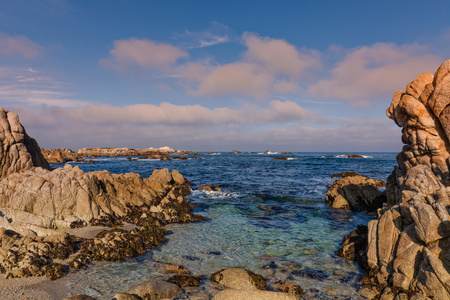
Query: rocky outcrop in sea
408, 246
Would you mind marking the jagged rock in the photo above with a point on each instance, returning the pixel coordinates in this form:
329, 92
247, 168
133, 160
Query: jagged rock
61, 155
355, 192
18, 151
68, 195
210, 187
36, 202
239, 279
408, 245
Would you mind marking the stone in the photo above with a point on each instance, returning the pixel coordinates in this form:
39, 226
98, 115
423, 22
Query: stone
355, 192
155, 289
231, 294
125, 296
407, 246
61, 155
239, 279
210, 187
18, 151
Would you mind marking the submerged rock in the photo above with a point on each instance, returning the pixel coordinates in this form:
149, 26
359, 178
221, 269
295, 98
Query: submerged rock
355, 192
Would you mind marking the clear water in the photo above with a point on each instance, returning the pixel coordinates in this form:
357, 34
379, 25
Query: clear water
270, 217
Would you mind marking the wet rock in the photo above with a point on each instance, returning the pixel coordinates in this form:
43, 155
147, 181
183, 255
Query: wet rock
185, 280
235, 151
210, 187
354, 246
280, 158
155, 289
239, 279
252, 295
177, 269
351, 155
289, 287
355, 192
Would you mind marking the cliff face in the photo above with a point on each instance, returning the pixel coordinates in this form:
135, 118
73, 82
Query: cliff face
409, 245
18, 151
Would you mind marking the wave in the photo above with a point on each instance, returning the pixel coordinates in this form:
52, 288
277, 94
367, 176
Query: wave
214, 194
269, 152
344, 156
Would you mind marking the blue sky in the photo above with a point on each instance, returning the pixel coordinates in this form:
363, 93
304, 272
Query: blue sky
216, 76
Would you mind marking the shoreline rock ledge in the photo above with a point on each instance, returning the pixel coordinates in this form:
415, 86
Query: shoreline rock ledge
408, 246
39, 207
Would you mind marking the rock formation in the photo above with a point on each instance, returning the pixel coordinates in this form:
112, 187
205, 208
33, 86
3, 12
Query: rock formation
355, 192
18, 151
37, 203
408, 249
61, 155
113, 151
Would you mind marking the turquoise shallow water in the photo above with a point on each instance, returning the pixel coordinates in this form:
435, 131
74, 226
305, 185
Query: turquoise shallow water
270, 217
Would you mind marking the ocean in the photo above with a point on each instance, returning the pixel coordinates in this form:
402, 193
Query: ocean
270, 217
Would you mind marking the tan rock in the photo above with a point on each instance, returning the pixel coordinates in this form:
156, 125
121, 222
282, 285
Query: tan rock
155, 289
239, 279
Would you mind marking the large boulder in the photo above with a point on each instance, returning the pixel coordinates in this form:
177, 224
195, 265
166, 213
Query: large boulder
18, 151
239, 279
156, 289
408, 246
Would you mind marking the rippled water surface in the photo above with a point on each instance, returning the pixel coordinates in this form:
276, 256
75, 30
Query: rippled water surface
270, 217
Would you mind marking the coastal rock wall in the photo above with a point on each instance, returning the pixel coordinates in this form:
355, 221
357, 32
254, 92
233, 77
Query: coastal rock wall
409, 244
18, 151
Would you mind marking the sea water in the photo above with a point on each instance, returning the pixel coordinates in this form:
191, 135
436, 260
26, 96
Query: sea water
270, 217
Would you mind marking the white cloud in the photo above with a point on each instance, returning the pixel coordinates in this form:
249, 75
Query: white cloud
18, 46
374, 71
32, 87
142, 53
278, 56
215, 35
184, 128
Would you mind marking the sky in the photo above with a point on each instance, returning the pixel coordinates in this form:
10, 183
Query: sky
216, 75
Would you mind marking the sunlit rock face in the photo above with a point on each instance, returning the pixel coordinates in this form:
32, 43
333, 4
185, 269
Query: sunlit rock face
409, 244
18, 151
